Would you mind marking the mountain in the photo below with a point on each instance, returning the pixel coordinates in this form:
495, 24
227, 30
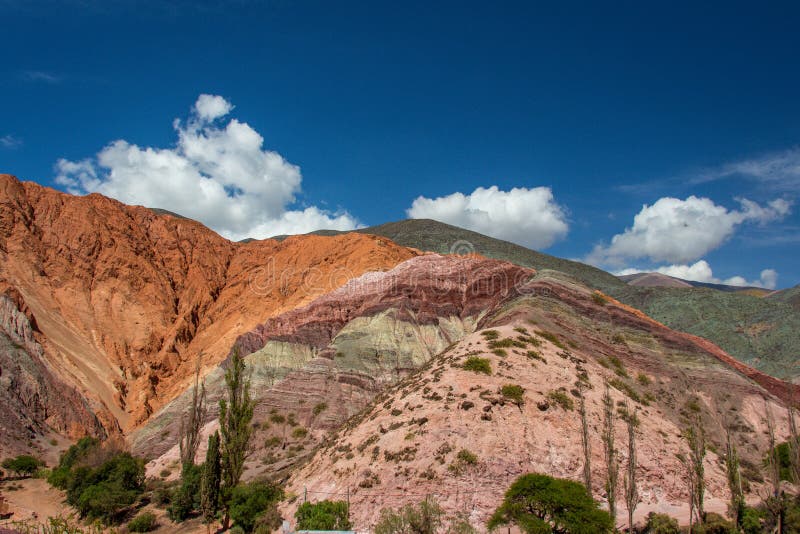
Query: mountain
125, 300
364, 391
763, 333
789, 296
653, 280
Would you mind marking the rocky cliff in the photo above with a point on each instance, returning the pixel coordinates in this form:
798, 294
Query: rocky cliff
126, 299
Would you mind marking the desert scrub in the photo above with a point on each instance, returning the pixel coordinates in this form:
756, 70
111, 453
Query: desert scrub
464, 459
513, 392
500, 352
599, 298
144, 522
643, 379
319, 408
628, 390
272, 442
406, 454
490, 335
552, 338
478, 365
299, 432
562, 399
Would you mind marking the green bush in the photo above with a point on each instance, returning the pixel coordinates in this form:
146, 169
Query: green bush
539, 503
299, 432
319, 408
144, 522
752, 520
253, 503
478, 365
23, 465
562, 399
323, 515
661, 524
101, 483
185, 499
514, 393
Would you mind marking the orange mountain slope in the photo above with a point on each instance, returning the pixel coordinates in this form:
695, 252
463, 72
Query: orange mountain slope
126, 299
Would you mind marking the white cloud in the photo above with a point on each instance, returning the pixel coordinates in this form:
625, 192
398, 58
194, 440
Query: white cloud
41, 76
780, 170
701, 272
218, 173
10, 142
529, 217
681, 231
210, 107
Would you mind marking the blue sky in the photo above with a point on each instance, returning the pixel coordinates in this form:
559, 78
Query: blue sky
569, 117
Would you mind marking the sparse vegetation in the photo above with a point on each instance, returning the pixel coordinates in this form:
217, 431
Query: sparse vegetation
478, 365
515, 393
561, 398
319, 408
552, 338
423, 518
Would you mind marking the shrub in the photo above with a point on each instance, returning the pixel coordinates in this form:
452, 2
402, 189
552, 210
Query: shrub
100, 482
539, 503
23, 465
319, 408
643, 379
599, 299
514, 393
299, 432
490, 335
552, 338
424, 518
186, 498
323, 515
625, 388
716, 524
661, 524
478, 365
144, 522
467, 457
562, 399
253, 502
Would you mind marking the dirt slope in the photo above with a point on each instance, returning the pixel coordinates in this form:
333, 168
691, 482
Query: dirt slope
405, 445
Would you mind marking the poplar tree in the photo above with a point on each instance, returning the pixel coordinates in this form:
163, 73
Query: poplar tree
587, 452
212, 477
235, 414
631, 487
611, 454
192, 421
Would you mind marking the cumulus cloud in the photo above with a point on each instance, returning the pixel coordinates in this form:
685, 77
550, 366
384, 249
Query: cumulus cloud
680, 231
700, 271
529, 217
218, 173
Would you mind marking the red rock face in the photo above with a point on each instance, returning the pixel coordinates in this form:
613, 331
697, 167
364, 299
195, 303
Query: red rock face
127, 299
428, 287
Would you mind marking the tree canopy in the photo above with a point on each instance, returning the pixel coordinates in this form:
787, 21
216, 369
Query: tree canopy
540, 504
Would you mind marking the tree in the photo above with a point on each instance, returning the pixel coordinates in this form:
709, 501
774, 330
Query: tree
776, 503
611, 454
212, 477
631, 489
235, 414
587, 451
696, 437
794, 446
192, 421
323, 515
734, 477
541, 504
22, 465
423, 518
186, 497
